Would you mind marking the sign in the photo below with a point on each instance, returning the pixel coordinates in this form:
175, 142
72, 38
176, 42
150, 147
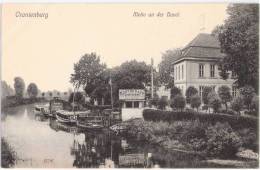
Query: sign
131, 94
131, 159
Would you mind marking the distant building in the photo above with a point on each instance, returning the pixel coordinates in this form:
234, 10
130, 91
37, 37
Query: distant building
197, 65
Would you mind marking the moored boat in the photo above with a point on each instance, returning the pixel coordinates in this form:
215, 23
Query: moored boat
64, 116
89, 125
42, 110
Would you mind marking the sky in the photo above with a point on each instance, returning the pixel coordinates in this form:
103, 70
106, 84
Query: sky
44, 51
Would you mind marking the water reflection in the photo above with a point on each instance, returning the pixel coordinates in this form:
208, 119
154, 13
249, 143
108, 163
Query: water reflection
48, 143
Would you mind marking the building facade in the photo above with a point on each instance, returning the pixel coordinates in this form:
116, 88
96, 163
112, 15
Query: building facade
197, 65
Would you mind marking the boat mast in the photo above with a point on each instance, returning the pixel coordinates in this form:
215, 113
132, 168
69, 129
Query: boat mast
152, 78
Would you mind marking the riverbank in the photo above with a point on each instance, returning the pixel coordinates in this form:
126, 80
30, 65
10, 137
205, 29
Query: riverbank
12, 101
213, 142
7, 154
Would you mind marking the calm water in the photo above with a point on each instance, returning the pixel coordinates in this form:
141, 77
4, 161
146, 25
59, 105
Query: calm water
43, 142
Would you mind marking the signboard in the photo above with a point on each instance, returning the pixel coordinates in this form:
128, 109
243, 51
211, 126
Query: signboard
131, 159
131, 94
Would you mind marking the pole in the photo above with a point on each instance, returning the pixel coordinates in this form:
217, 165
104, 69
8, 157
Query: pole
152, 78
111, 92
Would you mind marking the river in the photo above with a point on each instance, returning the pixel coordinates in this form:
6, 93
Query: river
41, 142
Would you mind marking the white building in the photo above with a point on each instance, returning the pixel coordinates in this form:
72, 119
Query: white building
197, 65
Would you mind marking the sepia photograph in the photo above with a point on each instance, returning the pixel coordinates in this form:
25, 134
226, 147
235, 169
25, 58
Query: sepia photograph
129, 85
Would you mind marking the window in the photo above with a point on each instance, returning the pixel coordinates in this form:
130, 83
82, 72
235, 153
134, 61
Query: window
201, 90
182, 73
136, 104
201, 70
179, 70
212, 70
234, 91
128, 104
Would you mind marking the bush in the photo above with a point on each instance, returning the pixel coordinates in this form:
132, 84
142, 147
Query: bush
237, 104
191, 91
162, 103
195, 101
205, 92
175, 91
214, 101
178, 102
222, 141
247, 93
235, 121
224, 94
255, 103
154, 101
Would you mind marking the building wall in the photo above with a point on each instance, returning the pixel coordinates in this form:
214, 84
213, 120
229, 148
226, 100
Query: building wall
192, 77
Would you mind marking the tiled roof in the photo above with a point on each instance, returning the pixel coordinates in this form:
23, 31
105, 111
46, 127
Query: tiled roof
202, 46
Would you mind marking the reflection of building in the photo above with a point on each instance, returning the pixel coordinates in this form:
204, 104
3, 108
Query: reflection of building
133, 101
197, 65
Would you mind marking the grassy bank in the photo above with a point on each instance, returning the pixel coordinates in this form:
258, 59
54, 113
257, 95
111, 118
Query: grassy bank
218, 140
7, 154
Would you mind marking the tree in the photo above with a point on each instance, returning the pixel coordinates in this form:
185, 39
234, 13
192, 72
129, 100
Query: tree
6, 90
214, 101
195, 101
247, 93
162, 103
255, 103
78, 98
87, 72
178, 102
32, 90
205, 92
166, 68
239, 40
43, 94
175, 91
50, 94
237, 104
191, 91
224, 94
19, 87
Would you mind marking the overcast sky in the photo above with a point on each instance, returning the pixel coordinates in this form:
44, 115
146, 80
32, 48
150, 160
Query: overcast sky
44, 50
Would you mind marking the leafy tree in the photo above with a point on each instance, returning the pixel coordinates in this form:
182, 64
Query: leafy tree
78, 98
43, 94
224, 94
237, 104
178, 102
6, 90
191, 91
195, 101
32, 90
239, 40
175, 91
247, 93
166, 67
205, 92
214, 101
50, 94
87, 72
19, 87
162, 103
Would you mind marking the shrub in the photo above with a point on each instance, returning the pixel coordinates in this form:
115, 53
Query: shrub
154, 101
237, 104
162, 103
178, 102
224, 94
255, 103
235, 121
214, 101
247, 93
195, 101
222, 141
191, 91
205, 92
175, 91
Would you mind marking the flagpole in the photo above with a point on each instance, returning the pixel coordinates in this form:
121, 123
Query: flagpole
152, 78
111, 91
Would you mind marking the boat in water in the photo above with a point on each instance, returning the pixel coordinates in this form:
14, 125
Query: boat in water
64, 116
42, 110
91, 123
